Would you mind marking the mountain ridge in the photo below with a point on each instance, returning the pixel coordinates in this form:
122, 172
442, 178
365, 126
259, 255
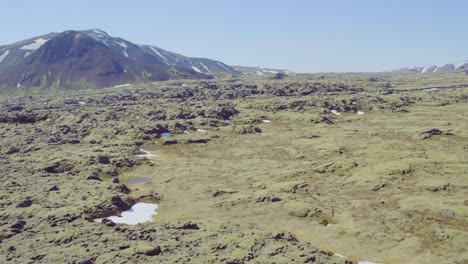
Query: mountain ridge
36, 63
440, 68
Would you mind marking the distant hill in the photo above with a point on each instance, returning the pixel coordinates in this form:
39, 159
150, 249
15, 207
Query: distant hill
259, 71
444, 68
93, 59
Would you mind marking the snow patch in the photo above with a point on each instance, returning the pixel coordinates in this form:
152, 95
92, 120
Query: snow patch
147, 154
139, 213
4, 55
335, 112
359, 262
460, 65
124, 51
260, 73
121, 44
224, 67
206, 68
266, 121
18, 85
428, 69
99, 36
81, 103
122, 85
35, 45
360, 112
196, 69
201, 131
99, 32
159, 54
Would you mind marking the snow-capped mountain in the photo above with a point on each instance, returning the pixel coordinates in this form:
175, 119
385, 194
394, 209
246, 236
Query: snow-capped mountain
444, 68
92, 58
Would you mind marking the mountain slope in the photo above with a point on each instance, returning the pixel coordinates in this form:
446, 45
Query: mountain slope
92, 59
155, 55
73, 60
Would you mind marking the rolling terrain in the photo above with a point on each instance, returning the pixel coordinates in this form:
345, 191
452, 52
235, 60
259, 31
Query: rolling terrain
312, 168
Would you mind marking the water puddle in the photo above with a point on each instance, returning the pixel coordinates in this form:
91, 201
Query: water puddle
138, 180
228, 121
138, 214
166, 135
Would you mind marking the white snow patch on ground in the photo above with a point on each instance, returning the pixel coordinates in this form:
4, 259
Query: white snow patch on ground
35, 45
206, 68
18, 85
196, 69
335, 112
124, 51
360, 112
122, 85
4, 55
139, 213
266, 121
26, 54
81, 103
359, 262
160, 55
201, 131
147, 154
260, 73
121, 44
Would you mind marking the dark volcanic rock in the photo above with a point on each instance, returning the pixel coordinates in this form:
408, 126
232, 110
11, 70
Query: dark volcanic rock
189, 226
94, 177
108, 222
54, 188
119, 203
104, 160
25, 203
18, 226
85, 261
154, 252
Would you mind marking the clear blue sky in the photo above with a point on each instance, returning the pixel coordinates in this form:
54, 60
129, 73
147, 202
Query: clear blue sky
300, 35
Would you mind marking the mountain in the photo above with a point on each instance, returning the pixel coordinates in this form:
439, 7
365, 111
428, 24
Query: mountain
244, 70
92, 59
444, 68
